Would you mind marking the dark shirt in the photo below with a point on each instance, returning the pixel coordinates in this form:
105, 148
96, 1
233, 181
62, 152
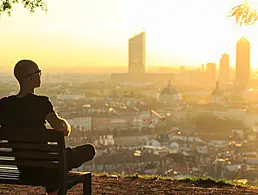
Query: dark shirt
26, 112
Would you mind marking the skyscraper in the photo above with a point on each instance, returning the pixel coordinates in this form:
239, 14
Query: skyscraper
136, 54
242, 63
224, 69
211, 72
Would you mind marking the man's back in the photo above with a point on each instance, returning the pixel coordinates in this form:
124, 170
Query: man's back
26, 112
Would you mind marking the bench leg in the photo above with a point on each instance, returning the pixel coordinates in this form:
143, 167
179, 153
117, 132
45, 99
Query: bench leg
62, 191
87, 185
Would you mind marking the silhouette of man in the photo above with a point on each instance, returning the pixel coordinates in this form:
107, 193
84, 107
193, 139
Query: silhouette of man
29, 111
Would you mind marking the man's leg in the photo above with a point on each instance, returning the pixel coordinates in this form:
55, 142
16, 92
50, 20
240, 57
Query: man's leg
78, 155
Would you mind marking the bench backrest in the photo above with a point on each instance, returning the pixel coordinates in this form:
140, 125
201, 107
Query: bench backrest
33, 148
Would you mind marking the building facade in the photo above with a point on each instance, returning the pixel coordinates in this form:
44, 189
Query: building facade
211, 72
136, 54
224, 68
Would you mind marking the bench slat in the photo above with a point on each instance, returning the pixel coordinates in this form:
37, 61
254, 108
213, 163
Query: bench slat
7, 171
37, 147
5, 175
77, 177
31, 155
43, 135
9, 176
45, 164
9, 168
72, 179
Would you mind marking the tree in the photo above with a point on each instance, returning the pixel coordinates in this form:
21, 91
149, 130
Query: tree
244, 14
7, 5
208, 122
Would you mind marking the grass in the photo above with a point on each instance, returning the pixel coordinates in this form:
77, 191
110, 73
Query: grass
197, 181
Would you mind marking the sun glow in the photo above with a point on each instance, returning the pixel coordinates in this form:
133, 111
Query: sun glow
184, 32
253, 4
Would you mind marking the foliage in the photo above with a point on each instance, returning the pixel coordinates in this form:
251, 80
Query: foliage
6, 6
210, 123
244, 14
194, 98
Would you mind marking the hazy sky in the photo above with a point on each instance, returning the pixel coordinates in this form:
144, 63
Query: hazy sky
96, 32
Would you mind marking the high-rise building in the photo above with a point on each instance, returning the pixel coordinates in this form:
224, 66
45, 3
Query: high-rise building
136, 65
211, 72
242, 63
224, 69
136, 54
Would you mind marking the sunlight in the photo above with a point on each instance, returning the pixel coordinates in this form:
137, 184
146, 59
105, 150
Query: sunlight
175, 33
158, 88
253, 4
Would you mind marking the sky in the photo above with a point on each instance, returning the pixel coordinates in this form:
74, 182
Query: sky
87, 33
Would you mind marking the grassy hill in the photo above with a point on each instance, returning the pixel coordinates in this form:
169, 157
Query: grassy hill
136, 185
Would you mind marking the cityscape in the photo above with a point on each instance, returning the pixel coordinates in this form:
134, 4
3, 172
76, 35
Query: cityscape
198, 122
151, 97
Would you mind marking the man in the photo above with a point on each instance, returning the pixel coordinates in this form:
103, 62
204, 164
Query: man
29, 111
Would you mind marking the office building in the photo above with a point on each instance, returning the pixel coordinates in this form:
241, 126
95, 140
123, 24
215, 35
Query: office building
136, 54
224, 68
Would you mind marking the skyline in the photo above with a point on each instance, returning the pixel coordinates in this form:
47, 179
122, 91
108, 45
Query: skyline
89, 35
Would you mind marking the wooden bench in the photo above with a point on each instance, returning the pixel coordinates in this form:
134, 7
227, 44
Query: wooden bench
42, 149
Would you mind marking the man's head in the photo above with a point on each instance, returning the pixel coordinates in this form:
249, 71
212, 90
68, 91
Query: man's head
27, 73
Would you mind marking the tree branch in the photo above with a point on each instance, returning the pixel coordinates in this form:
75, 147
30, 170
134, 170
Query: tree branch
244, 14
7, 5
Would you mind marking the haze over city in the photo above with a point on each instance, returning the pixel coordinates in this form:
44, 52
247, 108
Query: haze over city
96, 33
133, 88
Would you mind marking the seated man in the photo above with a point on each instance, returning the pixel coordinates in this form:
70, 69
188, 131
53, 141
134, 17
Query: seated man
29, 111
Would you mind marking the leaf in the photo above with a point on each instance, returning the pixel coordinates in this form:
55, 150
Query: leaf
244, 14
6, 5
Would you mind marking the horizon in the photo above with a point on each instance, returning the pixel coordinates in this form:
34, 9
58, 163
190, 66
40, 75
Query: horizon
112, 69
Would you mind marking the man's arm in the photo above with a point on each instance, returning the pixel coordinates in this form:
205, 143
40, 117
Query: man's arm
58, 123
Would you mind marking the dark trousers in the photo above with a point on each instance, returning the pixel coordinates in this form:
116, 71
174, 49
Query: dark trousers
75, 158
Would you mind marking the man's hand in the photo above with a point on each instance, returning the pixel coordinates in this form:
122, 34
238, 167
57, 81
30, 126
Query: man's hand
58, 123
66, 128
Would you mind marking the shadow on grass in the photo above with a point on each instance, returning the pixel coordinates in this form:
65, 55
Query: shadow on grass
208, 182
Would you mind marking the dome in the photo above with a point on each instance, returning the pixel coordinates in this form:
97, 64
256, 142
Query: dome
217, 95
169, 90
169, 94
